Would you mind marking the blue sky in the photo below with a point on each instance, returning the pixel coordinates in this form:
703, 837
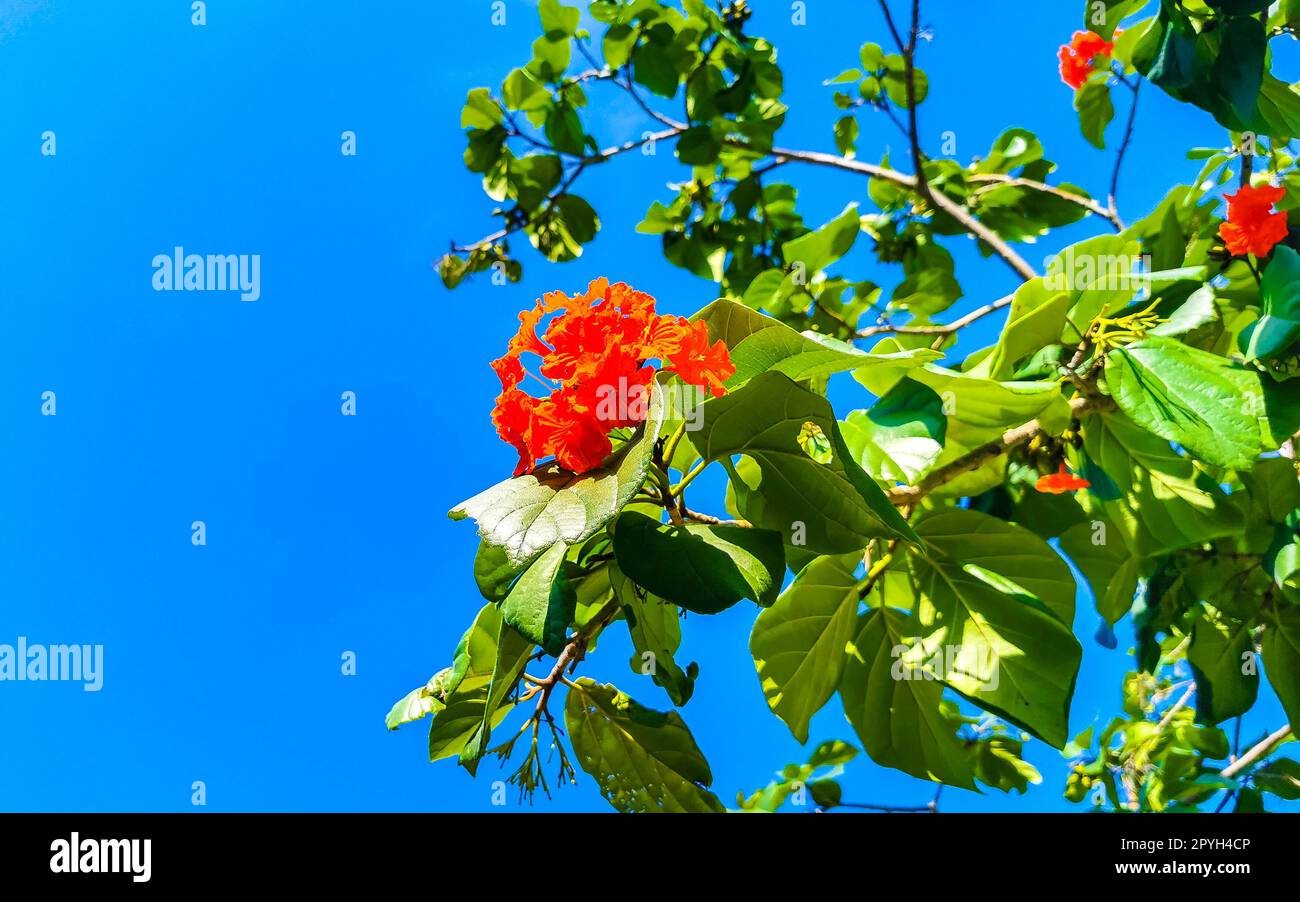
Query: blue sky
327, 534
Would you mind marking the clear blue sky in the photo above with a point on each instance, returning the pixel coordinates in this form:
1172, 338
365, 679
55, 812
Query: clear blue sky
327, 533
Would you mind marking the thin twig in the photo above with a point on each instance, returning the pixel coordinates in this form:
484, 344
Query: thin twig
910, 494
1119, 157
941, 329
1257, 751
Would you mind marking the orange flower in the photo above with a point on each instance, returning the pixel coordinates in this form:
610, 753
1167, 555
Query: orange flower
599, 351
699, 364
1061, 481
1078, 57
1253, 227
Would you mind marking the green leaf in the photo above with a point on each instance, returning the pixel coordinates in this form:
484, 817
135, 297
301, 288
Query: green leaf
1207, 404
512, 654
697, 146
617, 45
550, 58
978, 411
1279, 326
468, 686
900, 436
418, 702
997, 762
896, 81
1106, 19
819, 249
837, 504
798, 644
523, 92
1096, 110
493, 572
653, 67
655, 627
815, 779
642, 760
999, 602
732, 323
702, 568
564, 129
897, 711
1157, 500
480, 111
1281, 776
873, 58
541, 604
1238, 71
528, 514
1221, 646
846, 136
810, 356
1281, 651
558, 20
1036, 319
1107, 564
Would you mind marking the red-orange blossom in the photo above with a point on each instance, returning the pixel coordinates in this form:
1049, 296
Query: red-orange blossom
602, 344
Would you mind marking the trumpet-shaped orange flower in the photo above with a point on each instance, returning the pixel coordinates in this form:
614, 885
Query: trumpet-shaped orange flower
1078, 58
1061, 481
600, 353
1253, 227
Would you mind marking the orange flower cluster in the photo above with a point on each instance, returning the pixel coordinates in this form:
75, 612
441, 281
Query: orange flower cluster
599, 350
1061, 481
1077, 57
1253, 227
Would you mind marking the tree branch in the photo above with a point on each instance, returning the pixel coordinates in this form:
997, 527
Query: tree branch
599, 157
942, 329
1119, 157
1257, 751
1089, 204
928, 808
569, 657
909, 494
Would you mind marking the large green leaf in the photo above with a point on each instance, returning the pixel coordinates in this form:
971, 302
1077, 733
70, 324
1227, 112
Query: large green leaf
979, 410
655, 627
1035, 320
799, 642
528, 514
1098, 273
642, 760
819, 249
703, 568
1221, 646
512, 654
900, 436
469, 686
1156, 499
998, 602
1278, 328
1106, 562
898, 713
833, 505
1209, 405
732, 323
809, 355
1281, 650
541, 604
